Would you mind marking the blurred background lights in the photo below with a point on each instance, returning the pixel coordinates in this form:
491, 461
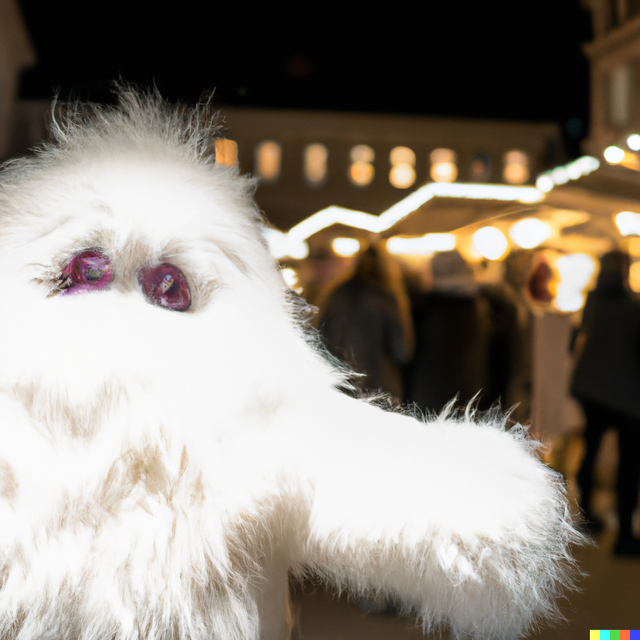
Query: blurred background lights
268, 158
568, 298
613, 155
403, 173
361, 170
633, 142
424, 245
345, 246
560, 175
576, 270
545, 183
226, 152
315, 164
634, 276
443, 165
628, 223
297, 250
529, 232
290, 277
490, 243
516, 167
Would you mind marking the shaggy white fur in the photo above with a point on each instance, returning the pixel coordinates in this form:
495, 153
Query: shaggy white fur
162, 473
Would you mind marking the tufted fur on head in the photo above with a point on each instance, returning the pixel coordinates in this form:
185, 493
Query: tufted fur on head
163, 472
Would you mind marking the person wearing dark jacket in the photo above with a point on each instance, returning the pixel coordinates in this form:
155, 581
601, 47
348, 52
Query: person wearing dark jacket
606, 381
366, 321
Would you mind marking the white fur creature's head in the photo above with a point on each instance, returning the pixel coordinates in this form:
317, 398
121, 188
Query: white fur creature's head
133, 188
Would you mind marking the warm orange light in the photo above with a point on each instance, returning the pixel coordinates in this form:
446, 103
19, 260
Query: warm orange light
402, 175
226, 152
315, 164
443, 165
516, 167
268, 159
361, 173
634, 277
402, 155
362, 153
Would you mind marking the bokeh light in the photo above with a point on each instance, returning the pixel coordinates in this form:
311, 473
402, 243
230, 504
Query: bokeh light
490, 243
345, 247
529, 232
628, 223
613, 155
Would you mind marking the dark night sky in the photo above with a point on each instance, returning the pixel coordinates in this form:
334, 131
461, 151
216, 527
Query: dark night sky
497, 58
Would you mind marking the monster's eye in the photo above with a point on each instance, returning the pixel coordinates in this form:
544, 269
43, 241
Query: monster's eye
166, 286
86, 271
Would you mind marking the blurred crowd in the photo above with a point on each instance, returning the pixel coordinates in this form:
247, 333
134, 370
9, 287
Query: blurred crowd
432, 335
447, 331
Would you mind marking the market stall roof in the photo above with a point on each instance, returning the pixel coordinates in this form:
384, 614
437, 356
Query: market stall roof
443, 215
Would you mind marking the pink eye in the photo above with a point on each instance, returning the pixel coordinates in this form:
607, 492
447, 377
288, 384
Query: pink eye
166, 286
87, 271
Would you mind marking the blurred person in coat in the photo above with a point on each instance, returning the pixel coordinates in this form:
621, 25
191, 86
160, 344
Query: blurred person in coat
366, 321
607, 384
453, 336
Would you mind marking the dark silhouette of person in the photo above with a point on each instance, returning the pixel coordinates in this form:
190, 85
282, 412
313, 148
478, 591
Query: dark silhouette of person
606, 382
453, 333
366, 322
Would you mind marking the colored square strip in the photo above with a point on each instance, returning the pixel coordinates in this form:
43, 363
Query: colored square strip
599, 634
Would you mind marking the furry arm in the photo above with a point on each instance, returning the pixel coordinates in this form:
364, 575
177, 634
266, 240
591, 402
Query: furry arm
459, 521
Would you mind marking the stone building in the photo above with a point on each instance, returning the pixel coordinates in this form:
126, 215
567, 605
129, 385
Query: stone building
614, 57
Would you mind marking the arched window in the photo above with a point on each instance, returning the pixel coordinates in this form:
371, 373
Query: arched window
226, 152
315, 164
403, 172
516, 167
361, 169
268, 161
443, 165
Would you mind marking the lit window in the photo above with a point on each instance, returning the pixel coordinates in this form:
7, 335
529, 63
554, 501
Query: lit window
226, 152
361, 170
443, 165
268, 160
516, 167
315, 164
403, 162
480, 168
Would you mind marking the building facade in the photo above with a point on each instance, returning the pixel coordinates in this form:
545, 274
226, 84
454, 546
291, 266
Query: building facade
309, 160
614, 57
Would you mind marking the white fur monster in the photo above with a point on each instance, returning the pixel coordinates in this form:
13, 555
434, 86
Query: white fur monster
172, 447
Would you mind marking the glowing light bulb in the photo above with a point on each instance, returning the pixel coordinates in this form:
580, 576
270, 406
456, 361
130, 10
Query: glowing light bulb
490, 243
633, 142
628, 223
545, 183
529, 232
613, 155
345, 246
560, 175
